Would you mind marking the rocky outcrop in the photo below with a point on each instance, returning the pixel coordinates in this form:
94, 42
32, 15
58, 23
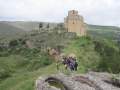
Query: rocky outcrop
89, 81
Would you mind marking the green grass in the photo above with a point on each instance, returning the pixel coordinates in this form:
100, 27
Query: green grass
26, 80
96, 55
87, 57
23, 71
22, 78
20, 69
109, 32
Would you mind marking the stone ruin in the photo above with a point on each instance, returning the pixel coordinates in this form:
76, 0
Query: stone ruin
75, 23
89, 81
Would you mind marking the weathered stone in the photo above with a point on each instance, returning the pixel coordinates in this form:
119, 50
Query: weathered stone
75, 23
89, 81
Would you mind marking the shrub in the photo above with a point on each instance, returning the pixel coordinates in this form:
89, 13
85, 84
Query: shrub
4, 71
39, 61
110, 56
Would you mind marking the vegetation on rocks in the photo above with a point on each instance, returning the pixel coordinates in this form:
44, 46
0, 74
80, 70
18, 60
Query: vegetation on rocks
98, 55
20, 65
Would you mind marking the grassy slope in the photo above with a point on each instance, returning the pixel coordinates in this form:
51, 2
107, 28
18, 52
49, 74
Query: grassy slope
26, 25
9, 29
110, 32
98, 55
25, 80
107, 31
22, 79
86, 55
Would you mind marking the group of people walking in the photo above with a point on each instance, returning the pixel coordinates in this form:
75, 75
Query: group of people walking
70, 63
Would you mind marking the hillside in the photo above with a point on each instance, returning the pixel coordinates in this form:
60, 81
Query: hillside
25, 25
110, 32
23, 66
8, 31
7, 27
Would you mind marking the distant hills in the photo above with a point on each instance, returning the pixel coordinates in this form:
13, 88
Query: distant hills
23, 25
8, 28
11, 28
110, 32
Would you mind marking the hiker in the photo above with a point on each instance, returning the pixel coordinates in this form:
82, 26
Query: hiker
75, 65
65, 62
71, 64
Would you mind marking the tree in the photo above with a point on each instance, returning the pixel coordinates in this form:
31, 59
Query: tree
40, 25
13, 43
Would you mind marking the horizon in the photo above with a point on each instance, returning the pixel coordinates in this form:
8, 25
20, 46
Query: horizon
103, 12
60, 22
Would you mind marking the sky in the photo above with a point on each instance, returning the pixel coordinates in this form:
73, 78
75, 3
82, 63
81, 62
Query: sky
97, 12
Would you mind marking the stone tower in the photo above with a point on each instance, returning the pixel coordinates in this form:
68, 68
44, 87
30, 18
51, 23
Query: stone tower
75, 23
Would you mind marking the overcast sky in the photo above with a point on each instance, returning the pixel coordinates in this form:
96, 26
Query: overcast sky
100, 12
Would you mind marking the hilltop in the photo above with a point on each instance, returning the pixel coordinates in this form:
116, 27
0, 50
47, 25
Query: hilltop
23, 65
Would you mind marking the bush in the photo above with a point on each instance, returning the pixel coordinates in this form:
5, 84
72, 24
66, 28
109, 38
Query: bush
13, 43
110, 56
4, 53
38, 62
4, 71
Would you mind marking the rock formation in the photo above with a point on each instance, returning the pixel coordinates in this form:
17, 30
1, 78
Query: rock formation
75, 23
89, 81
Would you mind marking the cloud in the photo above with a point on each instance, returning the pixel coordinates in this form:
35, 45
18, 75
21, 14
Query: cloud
102, 12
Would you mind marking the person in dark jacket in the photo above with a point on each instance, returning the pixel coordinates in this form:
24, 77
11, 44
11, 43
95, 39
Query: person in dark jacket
76, 65
65, 62
73, 63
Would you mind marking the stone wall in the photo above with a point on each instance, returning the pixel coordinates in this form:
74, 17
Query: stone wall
75, 23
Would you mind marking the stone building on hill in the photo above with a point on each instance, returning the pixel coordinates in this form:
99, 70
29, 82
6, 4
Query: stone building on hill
75, 23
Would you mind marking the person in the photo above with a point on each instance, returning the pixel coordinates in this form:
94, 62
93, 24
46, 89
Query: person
70, 63
57, 65
76, 64
65, 62
73, 63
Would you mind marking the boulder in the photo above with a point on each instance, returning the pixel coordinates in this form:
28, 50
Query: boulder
89, 81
